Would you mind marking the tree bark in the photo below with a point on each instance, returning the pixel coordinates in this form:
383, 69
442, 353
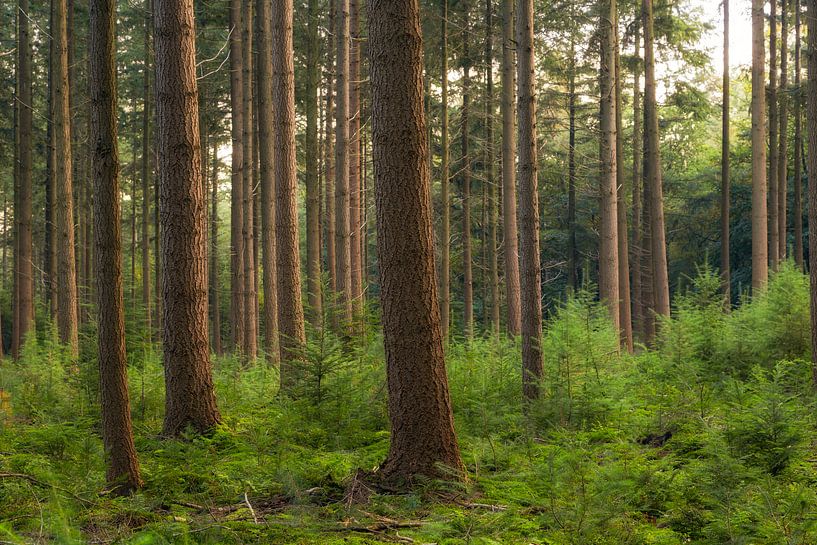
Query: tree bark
725, 182
491, 216
237, 179
798, 146
422, 426
146, 173
329, 158
342, 200
811, 127
773, 225
215, 296
445, 176
355, 263
465, 169
122, 470
249, 292
640, 318
760, 246
509, 226
313, 196
782, 160
529, 266
190, 398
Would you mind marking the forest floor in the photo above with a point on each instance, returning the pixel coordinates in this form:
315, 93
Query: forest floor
708, 438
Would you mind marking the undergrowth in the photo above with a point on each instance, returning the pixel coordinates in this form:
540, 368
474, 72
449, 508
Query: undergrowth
707, 438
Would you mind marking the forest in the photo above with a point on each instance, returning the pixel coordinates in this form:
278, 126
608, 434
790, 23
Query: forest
442, 272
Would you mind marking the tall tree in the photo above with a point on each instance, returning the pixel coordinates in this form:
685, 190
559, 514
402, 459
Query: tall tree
342, 201
445, 199
329, 158
608, 228
774, 226
572, 252
797, 212
509, 225
529, 266
811, 127
248, 193
266, 151
237, 303
465, 170
355, 256
190, 398
725, 183
24, 252
215, 296
760, 247
640, 318
491, 215
64, 204
652, 171
290, 307
422, 424
117, 433
313, 195
783, 135
146, 171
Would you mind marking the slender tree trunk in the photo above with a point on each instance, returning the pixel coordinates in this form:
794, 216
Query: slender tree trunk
608, 228
146, 173
329, 158
313, 196
422, 425
652, 163
798, 146
266, 151
509, 226
465, 169
445, 176
640, 317
122, 471
760, 246
773, 193
237, 179
64, 204
492, 219
249, 291
215, 296
49, 243
354, 157
342, 199
572, 254
725, 182
530, 268
190, 398
811, 127
782, 161
24, 258
290, 308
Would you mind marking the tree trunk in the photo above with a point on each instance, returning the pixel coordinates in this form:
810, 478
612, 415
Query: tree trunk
445, 176
652, 172
23, 260
329, 158
640, 311
725, 187
342, 200
760, 247
530, 268
422, 426
354, 158
313, 196
811, 127
249, 291
608, 228
572, 254
237, 179
146, 173
190, 398
122, 471
773, 225
215, 296
266, 151
798, 146
64, 204
492, 219
509, 226
290, 308
782, 160
465, 169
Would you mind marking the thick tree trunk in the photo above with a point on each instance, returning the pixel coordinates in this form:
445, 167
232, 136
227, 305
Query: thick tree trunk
290, 308
797, 212
782, 160
725, 182
422, 426
652, 172
811, 126
529, 266
266, 151
445, 176
760, 246
313, 196
190, 398
117, 435
24, 255
509, 226
342, 201
773, 225
64, 204
237, 179
248, 193
608, 228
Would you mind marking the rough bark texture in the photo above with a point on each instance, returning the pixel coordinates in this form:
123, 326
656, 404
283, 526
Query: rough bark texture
342, 201
215, 296
725, 182
266, 151
529, 266
248, 194
782, 159
122, 470
313, 195
237, 179
146, 173
422, 427
190, 399
24, 252
639, 310
608, 226
445, 175
509, 225
290, 308
773, 225
465, 170
652, 172
329, 159
760, 248
64, 203
491, 215
355, 262
797, 211
811, 124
